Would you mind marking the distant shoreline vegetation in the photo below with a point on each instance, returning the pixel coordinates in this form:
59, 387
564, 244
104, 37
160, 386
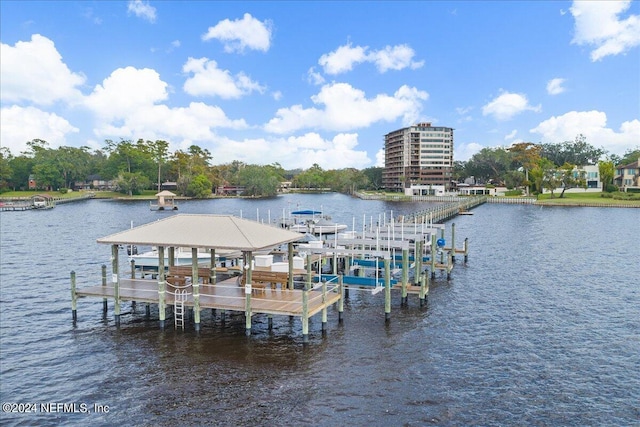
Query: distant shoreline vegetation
593, 199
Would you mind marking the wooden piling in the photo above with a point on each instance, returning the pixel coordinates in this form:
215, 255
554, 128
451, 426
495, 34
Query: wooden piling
453, 241
74, 297
162, 305
195, 284
105, 305
466, 249
387, 291
324, 309
247, 293
341, 302
433, 256
212, 272
116, 283
405, 276
423, 288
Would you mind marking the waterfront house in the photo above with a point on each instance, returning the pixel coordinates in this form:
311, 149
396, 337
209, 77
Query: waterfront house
628, 177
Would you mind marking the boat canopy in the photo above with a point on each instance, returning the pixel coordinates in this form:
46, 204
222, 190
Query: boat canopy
308, 212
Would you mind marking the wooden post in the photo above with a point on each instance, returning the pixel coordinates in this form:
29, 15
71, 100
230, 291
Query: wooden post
466, 249
423, 288
324, 305
74, 297
195, 284
405, 275
172, 256
247, 293
433, 255
453, 242
387, 291
305, 315
133, 268
289, 284
212, 272
341, 301
418, 261
162, 304
116, 283
449, 265
305, 305
104, 284
133, 276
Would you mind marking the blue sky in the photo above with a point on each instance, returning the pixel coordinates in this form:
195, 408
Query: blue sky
300, 83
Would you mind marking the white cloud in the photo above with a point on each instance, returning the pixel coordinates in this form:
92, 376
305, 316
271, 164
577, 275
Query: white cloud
126, 105
342, 59
511, 135
347, 108
593, 125
598, 24
380, 159
19, 125
463, 152
314, 78
142, 10
241, 34
209, 80
345, 57
293, 152
554, 86
508, 105
125, 91
33, 72
395, 58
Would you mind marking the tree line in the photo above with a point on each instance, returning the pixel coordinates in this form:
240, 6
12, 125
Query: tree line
142, 165
537, 167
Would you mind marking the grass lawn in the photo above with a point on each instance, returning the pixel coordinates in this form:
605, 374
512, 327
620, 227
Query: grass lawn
147, 194
590, 198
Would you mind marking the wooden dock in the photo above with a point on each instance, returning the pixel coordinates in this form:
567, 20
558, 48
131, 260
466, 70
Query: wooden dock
226, 295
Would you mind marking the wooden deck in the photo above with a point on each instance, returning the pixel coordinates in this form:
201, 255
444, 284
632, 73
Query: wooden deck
226, 295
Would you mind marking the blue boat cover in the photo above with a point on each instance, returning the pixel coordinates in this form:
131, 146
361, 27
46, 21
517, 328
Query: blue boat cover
306, 213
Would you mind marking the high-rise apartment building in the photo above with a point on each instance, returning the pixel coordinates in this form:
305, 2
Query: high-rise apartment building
420, 154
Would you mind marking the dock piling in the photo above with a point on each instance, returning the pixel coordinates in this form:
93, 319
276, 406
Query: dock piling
387, 291
74, 297
105, 306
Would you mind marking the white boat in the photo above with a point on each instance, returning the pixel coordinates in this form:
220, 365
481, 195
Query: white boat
317, 224
182, 256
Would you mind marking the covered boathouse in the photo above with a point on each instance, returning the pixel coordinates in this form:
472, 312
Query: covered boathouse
196, 289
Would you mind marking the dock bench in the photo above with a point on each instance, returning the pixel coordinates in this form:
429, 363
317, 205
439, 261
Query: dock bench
178, 274
260, 279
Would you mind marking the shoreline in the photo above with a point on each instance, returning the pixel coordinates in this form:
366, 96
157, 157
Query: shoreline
557, 202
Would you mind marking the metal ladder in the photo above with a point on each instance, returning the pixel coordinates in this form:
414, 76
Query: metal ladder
178, 308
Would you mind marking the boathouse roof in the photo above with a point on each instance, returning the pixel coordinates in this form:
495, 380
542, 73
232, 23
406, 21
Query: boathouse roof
165, 193
205, 231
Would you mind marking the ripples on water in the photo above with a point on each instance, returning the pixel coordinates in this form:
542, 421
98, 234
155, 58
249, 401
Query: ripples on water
539, 328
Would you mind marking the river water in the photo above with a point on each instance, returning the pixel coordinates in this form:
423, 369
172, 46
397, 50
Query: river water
540, 327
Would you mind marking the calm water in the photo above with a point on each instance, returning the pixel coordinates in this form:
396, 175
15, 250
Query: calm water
540, 327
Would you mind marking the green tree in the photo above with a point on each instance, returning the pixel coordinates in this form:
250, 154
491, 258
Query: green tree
5, 168
374, 177
570, 177
577, 152
159, 152
607, 171
526, 155
131, 183
314, 177
490, 164
630, 156
259, 180
199, 187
